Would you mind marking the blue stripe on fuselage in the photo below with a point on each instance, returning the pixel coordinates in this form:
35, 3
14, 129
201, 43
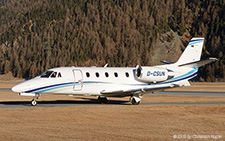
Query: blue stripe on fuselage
194, 43
197, 40
178, 77
51, 87
190, 74
30, 91
54, 88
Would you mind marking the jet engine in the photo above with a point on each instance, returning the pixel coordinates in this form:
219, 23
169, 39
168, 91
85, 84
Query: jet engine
151, 74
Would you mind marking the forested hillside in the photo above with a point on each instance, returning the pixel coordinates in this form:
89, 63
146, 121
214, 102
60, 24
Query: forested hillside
36, 35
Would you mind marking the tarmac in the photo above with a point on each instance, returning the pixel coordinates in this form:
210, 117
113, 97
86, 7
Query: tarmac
93, 101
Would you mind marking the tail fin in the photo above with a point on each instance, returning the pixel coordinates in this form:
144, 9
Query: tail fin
192, 52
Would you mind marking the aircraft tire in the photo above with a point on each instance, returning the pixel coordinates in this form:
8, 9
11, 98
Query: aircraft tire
33, 102
102, 100
134, 102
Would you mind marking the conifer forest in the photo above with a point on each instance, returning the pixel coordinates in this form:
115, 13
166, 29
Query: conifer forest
36, 35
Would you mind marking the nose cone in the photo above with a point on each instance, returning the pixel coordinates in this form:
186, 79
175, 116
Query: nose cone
22, 87
17, 89
25, 86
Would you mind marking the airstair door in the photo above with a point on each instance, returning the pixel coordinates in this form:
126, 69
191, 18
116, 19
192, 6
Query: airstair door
78, 80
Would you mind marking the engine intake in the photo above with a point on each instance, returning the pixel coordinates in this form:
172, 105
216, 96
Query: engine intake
151, 74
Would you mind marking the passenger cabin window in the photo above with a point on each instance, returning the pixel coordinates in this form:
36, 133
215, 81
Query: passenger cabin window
53, 74
87, 74
46, 74
106, 74
97, 74
59, 74
116, 74
127, 74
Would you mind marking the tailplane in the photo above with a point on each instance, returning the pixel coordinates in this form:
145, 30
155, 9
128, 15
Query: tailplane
192, 52
199, 63
187, 65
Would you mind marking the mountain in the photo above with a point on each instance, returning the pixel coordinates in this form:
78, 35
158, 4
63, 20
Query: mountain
36, 35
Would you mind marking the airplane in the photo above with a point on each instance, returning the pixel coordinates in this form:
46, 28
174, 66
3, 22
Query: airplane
106, 81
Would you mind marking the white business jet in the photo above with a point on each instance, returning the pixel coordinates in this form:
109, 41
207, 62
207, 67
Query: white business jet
117, 81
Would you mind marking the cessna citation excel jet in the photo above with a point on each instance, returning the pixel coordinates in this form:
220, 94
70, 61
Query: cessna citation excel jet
117, 81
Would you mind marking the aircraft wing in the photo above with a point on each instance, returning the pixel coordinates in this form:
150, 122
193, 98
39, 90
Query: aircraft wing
131, 92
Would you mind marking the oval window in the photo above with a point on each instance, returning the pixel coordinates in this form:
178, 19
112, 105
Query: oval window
97, 74
87, 74
106, 74
116, 74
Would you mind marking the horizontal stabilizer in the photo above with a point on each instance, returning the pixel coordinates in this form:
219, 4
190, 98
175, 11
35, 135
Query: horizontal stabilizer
166, 62
199, 63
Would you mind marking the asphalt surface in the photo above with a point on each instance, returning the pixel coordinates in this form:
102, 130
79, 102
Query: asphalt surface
191, 93
94, 102
5, 89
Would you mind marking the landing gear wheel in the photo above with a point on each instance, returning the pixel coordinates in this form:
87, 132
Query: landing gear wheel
102, 100
135, 100
33, 102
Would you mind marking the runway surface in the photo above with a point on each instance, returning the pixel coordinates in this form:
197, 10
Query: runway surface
5, 89
191, 93
67, 103
93, 101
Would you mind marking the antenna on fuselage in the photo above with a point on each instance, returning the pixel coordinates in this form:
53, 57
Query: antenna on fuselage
106, 65
137, 66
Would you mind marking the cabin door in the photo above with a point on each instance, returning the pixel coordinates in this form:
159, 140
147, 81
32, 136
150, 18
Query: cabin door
78, 80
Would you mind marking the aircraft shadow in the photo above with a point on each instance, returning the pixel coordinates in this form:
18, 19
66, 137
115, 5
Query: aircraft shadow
64, 102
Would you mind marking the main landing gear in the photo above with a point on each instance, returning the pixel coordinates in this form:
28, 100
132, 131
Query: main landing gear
34, 101
135, 100
102, 99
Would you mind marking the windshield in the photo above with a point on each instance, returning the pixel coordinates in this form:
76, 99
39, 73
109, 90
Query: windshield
46, 74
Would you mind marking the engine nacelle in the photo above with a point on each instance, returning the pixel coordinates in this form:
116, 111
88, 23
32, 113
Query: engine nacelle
151, 74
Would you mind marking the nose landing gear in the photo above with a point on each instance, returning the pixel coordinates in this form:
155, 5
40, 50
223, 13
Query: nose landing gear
34, 101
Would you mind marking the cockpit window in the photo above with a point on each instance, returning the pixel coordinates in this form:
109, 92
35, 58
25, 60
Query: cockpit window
46, 74
54, 74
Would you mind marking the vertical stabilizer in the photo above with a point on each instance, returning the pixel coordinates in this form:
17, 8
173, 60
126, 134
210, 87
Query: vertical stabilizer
192, 52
